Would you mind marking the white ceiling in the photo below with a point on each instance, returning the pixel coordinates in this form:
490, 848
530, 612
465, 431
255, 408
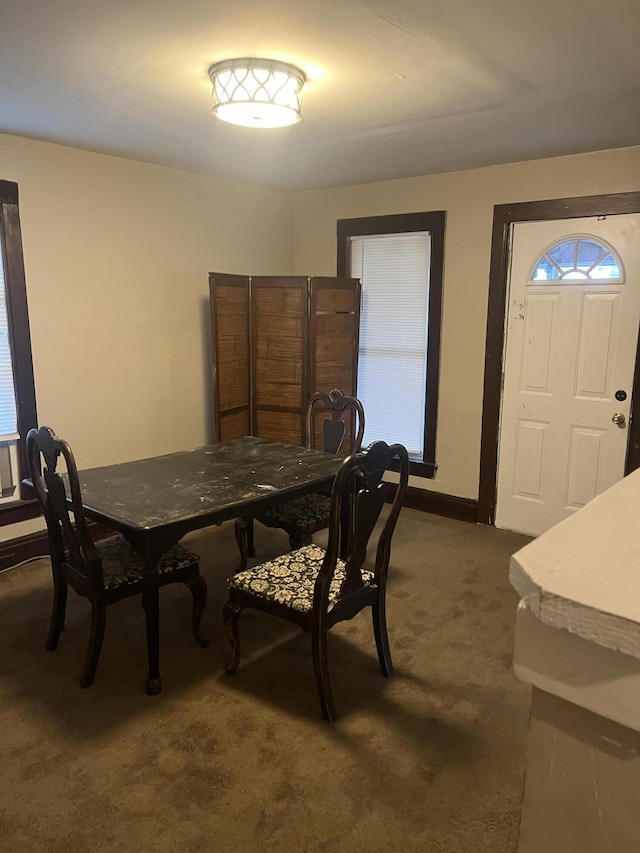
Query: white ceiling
395, 88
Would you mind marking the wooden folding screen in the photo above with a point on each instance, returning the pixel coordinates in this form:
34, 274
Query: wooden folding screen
277, 340
229, 303
279, 364
334, 309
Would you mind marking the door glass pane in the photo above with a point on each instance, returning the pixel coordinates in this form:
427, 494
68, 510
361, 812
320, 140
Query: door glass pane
578, 260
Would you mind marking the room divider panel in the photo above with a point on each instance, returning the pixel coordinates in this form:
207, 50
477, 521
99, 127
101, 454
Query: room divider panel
276, 341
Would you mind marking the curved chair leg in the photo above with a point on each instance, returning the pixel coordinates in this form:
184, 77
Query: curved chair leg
321, 670
379, 616
98, 623
198, 588
230, 615
56, 625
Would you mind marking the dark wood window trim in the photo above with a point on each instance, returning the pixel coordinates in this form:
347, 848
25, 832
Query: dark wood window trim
15, 551
20, 340
504, 216
434, 222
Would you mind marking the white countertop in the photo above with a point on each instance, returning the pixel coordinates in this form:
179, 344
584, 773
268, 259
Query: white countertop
583, 575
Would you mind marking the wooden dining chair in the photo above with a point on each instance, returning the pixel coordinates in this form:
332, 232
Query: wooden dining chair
104, 572
334, 423
316, 588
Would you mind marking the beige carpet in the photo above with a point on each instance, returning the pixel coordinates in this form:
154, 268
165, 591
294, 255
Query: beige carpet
431, 760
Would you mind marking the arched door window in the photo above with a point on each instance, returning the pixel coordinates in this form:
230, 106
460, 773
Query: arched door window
580, 259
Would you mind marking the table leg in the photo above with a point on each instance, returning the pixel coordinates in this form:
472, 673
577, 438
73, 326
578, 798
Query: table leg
150, 603
241, 529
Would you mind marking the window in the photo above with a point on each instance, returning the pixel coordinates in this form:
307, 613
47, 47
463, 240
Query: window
578, 259
399, 260
17, 395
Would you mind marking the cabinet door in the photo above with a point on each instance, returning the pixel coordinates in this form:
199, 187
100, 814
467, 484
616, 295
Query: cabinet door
279, 322
333, 336
229, 301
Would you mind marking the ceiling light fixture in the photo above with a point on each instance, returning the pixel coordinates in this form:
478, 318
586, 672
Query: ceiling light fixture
256, 92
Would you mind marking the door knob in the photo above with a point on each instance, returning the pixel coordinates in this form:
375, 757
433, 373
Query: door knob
619, 420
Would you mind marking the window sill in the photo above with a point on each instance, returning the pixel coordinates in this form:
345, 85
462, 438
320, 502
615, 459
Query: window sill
16, 511
426, 470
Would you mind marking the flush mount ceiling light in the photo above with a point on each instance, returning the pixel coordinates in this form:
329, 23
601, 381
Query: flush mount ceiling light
256, 92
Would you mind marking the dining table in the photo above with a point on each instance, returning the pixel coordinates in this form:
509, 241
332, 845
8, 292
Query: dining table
154, 502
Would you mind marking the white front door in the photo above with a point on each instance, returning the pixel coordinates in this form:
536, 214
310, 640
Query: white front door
571, 338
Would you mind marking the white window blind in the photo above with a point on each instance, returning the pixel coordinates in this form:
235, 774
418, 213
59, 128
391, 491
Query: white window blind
394, 271
8, 421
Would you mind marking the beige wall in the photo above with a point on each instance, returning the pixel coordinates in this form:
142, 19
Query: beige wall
116, 258
116, 255
468, 197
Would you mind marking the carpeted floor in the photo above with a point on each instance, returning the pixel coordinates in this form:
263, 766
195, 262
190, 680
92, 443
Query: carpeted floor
431, 760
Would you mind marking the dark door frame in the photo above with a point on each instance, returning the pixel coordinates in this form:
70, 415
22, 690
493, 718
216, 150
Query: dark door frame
504, 216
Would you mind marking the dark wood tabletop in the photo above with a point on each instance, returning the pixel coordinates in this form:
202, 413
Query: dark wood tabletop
155, 502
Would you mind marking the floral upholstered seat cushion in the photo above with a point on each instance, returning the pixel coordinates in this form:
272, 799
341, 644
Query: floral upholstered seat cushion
290, 579
301, 512
121, 565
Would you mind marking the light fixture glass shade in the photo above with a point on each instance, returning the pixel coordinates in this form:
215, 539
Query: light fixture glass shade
256, 92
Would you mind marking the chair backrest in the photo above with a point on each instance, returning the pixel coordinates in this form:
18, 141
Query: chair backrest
69, 540
357, 499
342, 430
